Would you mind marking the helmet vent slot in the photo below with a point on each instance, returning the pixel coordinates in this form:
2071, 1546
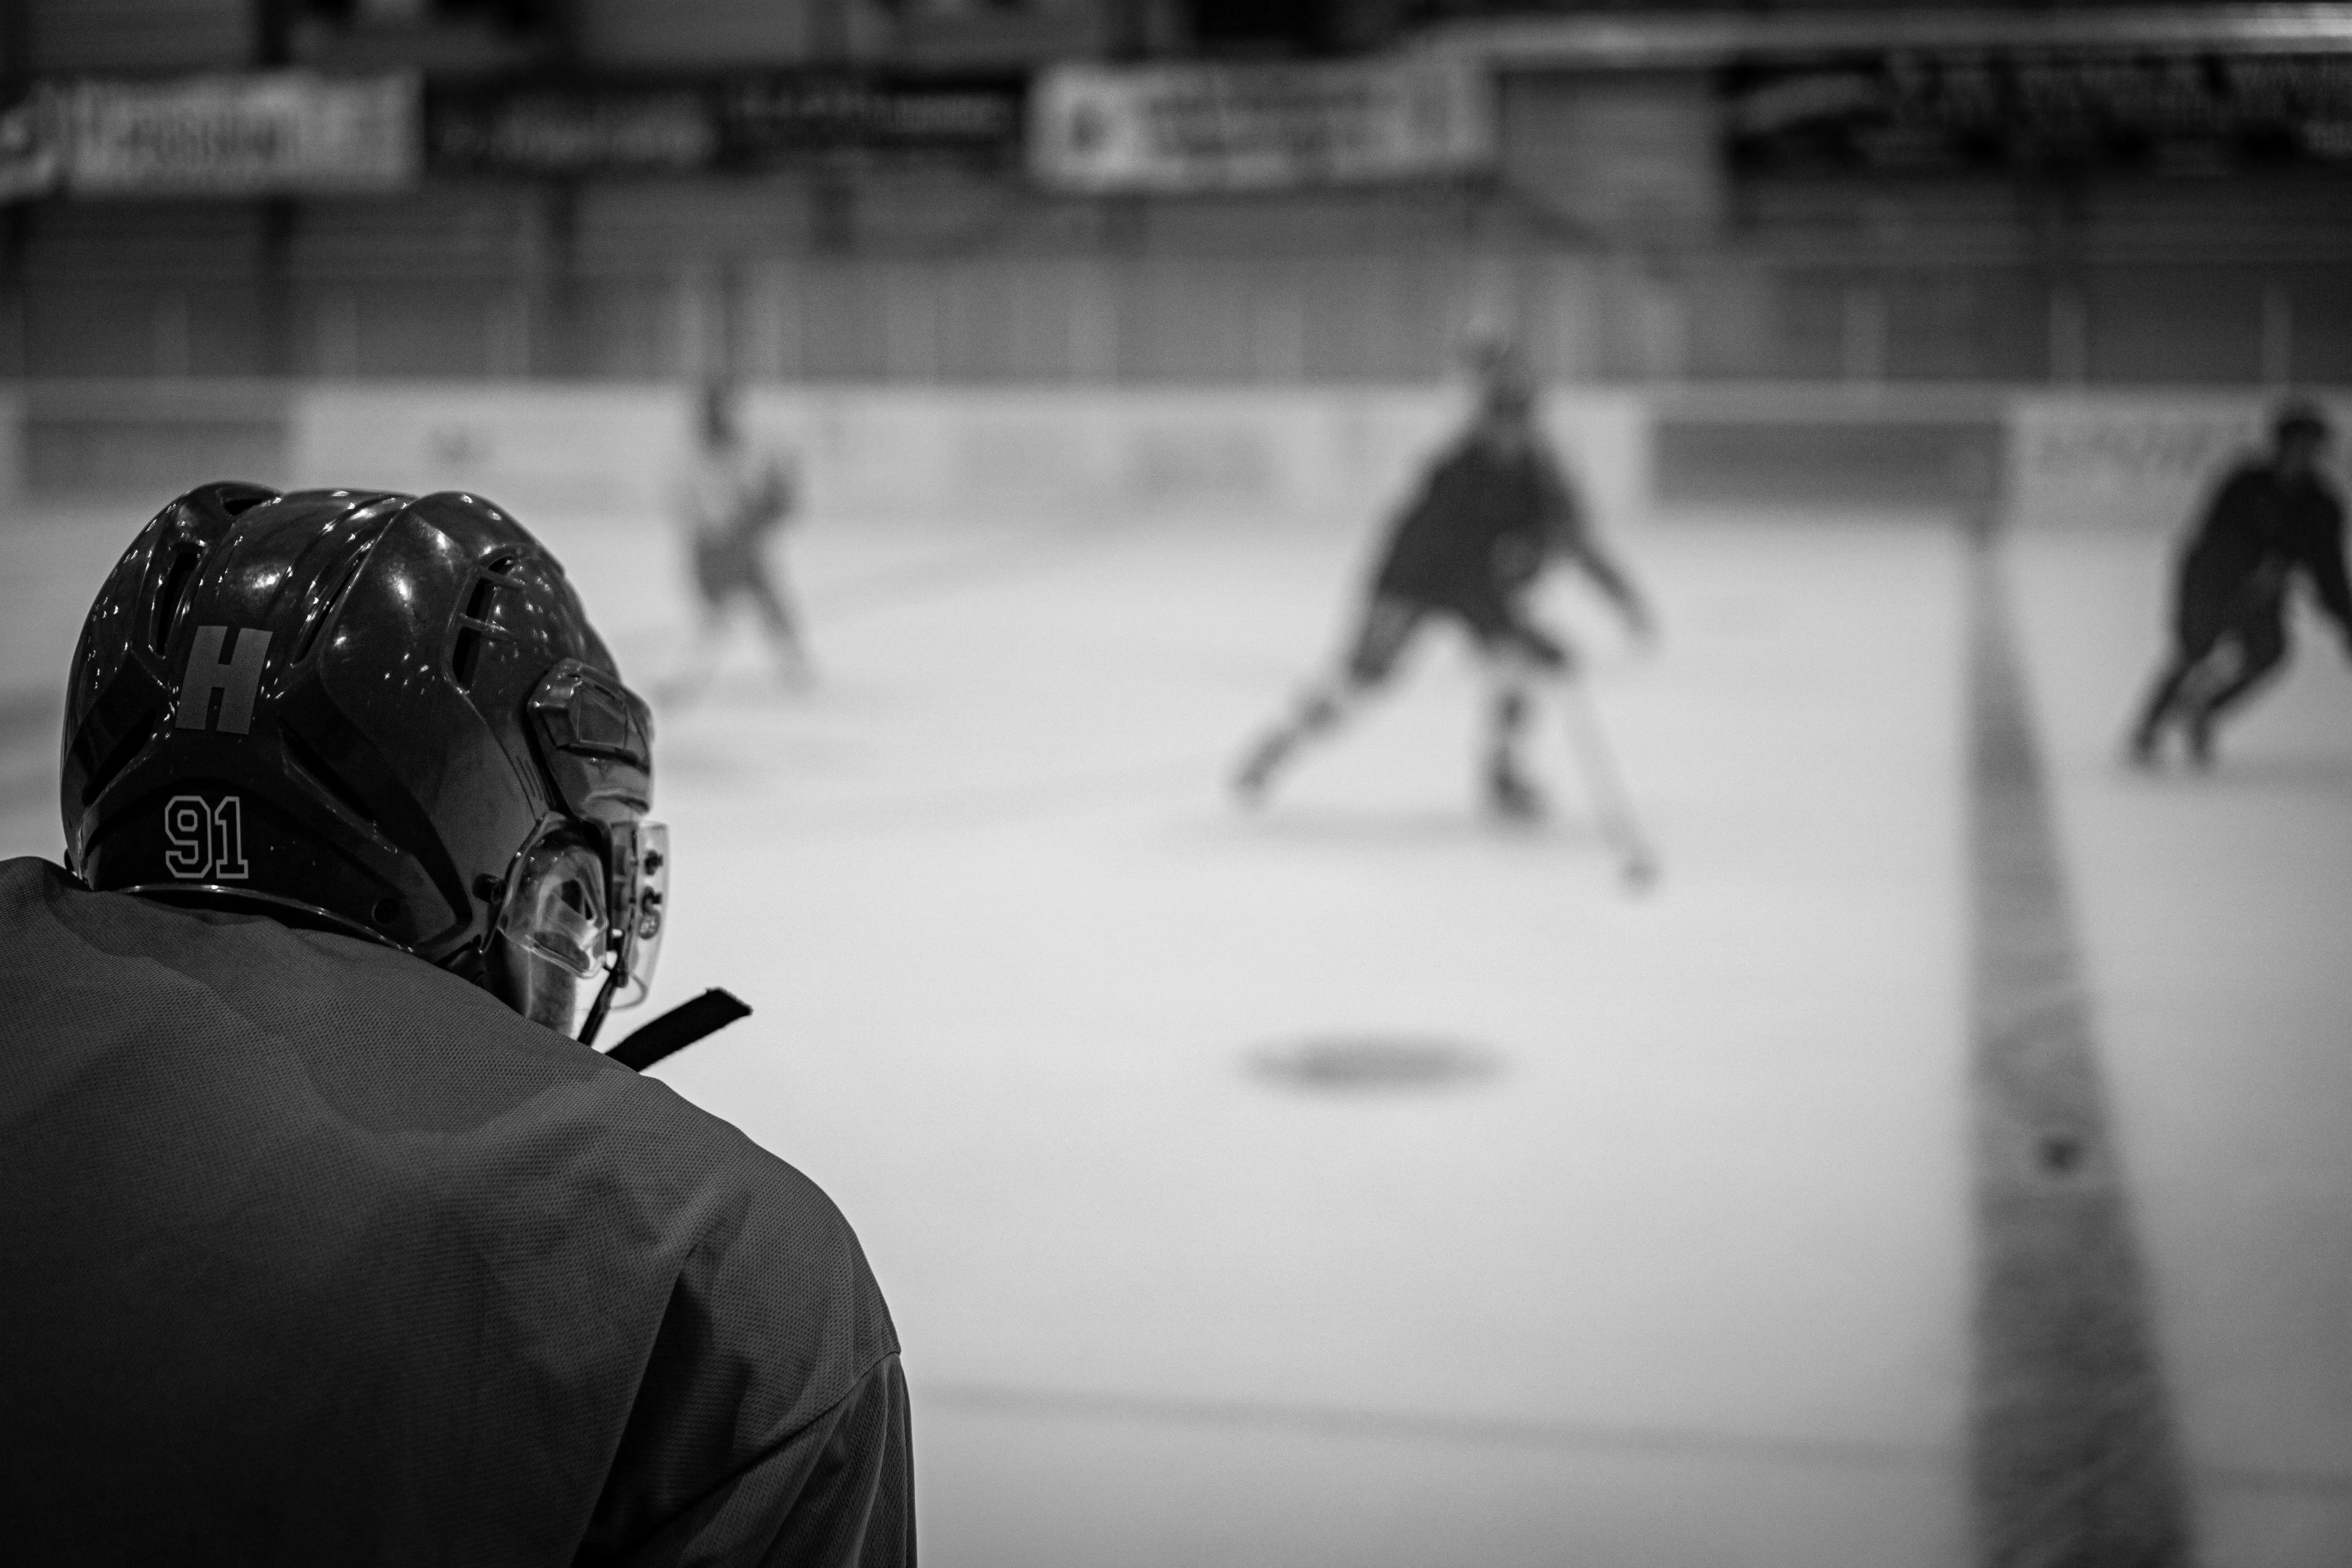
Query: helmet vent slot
465, 658
178, 580
466, 652
314, 771
324, 609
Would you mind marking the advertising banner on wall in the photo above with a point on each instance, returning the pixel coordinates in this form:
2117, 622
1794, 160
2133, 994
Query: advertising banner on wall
779, 116
1926, 111
570, 130
745, 122
2139, 462
32, 154
268, 133
1237, 128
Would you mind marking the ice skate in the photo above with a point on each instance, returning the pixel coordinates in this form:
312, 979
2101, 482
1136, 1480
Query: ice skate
2201, 739
1512, 798
1254, 777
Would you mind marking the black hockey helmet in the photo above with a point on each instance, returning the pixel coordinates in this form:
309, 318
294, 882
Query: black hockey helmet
2299, 418
1506, 396
1505, 383
376, 714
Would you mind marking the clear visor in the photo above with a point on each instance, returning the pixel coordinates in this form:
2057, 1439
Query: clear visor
555, 938
640, 895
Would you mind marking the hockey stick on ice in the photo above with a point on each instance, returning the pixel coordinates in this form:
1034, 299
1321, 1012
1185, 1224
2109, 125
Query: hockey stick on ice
1637, 863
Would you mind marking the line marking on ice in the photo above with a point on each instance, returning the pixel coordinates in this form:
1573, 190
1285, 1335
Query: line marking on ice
1433, 1426
2071, 1447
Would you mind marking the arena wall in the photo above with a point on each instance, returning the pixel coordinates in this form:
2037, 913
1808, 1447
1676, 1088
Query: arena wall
1058, 453
1258, 455
2132, 462
12, 444
598, 448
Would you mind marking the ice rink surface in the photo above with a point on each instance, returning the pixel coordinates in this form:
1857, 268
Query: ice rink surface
1681, 1274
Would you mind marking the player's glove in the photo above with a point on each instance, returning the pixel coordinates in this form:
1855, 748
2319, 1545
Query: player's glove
1516, 561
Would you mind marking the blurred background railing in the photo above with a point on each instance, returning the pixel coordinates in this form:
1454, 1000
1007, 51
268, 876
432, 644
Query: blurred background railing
2241, 284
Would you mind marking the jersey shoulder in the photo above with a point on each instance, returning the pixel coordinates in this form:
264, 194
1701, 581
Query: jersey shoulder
234, 1148
407, 1084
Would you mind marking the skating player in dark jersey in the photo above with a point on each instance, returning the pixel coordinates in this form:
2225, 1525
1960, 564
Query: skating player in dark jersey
2272, 517
730, 499
327, 1238
1494, 510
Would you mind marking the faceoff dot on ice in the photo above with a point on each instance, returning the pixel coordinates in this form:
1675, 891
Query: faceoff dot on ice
1373, 1061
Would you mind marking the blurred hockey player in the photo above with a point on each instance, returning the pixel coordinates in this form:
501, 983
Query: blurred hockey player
1492, 510
2274, 516
730, 498
329, 1239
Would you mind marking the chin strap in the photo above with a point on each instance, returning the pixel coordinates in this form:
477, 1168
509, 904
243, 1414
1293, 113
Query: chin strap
677, 1028
601, 1005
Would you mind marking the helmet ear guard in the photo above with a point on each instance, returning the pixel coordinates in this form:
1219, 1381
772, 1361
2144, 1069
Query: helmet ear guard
595, 738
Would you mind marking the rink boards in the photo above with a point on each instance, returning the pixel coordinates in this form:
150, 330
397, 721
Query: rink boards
1687, 1276
2135, 460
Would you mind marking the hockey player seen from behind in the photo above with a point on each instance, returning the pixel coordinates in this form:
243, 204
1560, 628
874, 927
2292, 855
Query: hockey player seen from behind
1492, 512
2275, 516
328, 1237
731, 499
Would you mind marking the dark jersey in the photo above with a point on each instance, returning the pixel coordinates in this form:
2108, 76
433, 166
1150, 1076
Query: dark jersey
1480, 528
315, 1253
2259, 529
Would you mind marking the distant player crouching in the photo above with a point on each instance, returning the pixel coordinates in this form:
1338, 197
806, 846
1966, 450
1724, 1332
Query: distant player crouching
1492, 510
2272, 517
